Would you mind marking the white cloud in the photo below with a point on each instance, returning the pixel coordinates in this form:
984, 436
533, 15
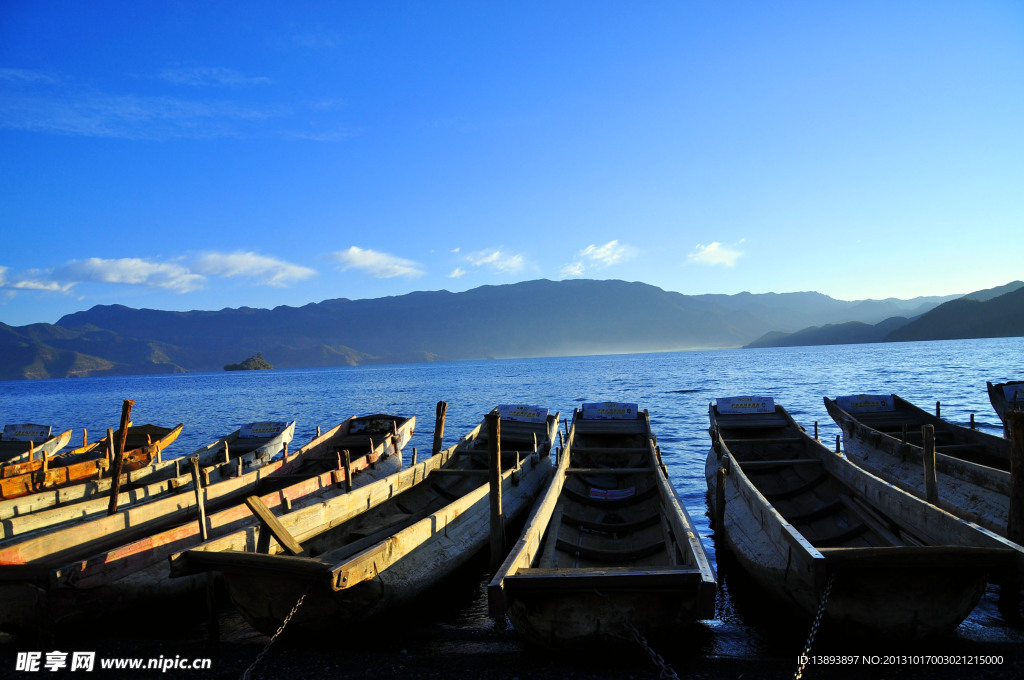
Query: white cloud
22, 283
457, 273
607, 255
376, 264
133, 271
573, 269
267, 270
204, 76
714, 253
497, 260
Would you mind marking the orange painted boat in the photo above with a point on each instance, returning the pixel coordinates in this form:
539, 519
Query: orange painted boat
142, 447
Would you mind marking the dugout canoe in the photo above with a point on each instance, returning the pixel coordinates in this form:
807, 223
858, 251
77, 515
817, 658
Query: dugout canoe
609, 551
804, 522
253, 444
358, 557
143, 446
1005, 397
22, 442
882, 433
108, 564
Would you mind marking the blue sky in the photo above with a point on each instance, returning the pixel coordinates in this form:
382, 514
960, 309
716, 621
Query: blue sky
187, 155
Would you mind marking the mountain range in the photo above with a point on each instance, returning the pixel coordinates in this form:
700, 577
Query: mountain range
528, 319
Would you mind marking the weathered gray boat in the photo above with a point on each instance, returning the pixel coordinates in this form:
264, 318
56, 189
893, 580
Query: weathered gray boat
609, 550
882, 434
358, 556
104, 564
21, 442
804, 521
1006, 397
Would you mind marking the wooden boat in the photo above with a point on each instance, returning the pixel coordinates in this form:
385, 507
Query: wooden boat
609, 546
23, 442
357, 557
66, 575
1006, 397
155, 479
143, 445
803, 520
251, 445
882, 434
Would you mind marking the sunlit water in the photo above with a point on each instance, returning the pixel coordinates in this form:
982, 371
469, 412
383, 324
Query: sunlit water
675, 387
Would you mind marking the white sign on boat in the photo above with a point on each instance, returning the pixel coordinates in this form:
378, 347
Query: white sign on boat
262, 430
26, 432
523, 413
610, 410
733, 405
866, 403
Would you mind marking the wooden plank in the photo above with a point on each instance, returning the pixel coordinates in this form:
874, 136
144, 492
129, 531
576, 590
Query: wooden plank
610, 471
271, 523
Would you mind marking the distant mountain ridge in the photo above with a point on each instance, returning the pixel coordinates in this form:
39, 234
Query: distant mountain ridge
528, 319
995, 312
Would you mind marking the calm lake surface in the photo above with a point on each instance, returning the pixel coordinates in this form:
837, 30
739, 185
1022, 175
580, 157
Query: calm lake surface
675, 387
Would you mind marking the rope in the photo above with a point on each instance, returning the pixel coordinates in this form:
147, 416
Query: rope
814, 627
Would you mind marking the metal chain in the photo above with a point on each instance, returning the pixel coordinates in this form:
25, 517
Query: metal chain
814, 627
666, 671
259, 657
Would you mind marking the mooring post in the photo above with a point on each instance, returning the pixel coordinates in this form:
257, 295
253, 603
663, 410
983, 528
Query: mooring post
838, 439
494, 468
200, 501
931, 488
720, 479
115, 473
442, 410
938, 409
1010, 585
413, 456
348, 469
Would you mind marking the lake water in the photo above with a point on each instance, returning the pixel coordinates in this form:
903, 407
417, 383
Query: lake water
675, 387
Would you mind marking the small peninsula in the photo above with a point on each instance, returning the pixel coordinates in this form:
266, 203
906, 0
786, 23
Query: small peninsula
254, 363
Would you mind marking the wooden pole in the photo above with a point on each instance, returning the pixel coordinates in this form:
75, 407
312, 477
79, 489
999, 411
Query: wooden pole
1015, 521
720, 478
85, 437
938, 410
1010, 584
198, 488
414, 455
442, 411
815, 429
348, 470
973, 426
837, 443
931, 488
110, 448
494, 469
115, 473
32, 451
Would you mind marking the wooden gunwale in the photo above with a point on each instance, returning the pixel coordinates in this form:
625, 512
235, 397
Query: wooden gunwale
49, 447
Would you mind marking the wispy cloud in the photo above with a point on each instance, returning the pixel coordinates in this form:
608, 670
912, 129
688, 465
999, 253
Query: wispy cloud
376, 264
133, 271
457, 273
572, 269
129, 116
600, 256
497, 260
12, 285
39, 102
715, 253
266, 270
211, 76
20, 75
